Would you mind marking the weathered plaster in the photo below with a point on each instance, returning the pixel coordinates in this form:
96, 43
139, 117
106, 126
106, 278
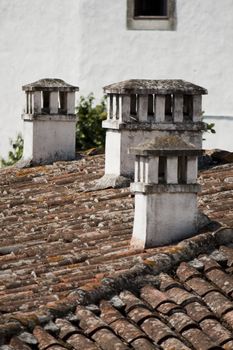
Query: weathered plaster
164, 218
49, 140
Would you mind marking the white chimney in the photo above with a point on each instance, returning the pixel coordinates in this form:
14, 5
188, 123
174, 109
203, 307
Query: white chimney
165, 190
144, 109
49, 121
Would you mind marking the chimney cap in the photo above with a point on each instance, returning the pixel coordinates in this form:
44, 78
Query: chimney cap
159, 87
164, 146
49, 84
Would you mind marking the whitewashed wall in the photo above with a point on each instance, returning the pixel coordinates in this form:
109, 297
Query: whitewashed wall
86, 43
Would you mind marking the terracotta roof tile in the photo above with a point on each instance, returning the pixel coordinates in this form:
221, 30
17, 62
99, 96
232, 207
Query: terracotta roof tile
168, 308
44, 339
218, 303
143, 344
198, 312
181, 321
153, 296
157, 330
139, 314
17, 344
108, 313
107, 340
66, 329
174, 344
228, 318
181, 296
126, 330
79, 341
199, 340
201, 286
88, 321
222, 280
216, 331
185, 272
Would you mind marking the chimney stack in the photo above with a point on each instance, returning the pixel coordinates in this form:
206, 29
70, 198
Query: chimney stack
144, 109
49, 121
165, 190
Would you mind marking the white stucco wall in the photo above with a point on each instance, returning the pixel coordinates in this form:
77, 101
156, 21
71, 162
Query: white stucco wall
48, 139
86, 42
159, 218
38, 39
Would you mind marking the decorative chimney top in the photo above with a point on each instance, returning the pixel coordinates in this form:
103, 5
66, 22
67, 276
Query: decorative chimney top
49, 121
144, 109
158, 87
49, 84
165, 145
165, 191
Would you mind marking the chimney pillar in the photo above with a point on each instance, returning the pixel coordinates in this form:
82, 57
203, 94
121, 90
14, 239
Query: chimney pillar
149, 108
49, 121
165, 203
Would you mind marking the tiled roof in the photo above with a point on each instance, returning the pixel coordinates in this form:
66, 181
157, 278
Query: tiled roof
189, 308
60, 240
149, 86
49, 84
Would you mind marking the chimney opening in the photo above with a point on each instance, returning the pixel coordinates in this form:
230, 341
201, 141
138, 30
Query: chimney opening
27, 103
182, 169
45, 102
133, 105
168, 108
162, 169
188, 108
62, 102
150, 105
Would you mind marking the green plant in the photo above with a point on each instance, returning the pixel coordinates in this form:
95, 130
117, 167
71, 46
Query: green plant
16, 153
210, 128
89, 131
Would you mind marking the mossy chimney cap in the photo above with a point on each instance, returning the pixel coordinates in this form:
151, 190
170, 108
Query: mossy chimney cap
159, 87
166, 145
49, 84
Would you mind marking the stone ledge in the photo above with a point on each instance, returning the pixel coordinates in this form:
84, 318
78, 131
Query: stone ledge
164, 188
50, 117
138, 125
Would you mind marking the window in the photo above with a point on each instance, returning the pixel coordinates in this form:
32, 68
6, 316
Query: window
150, 8
151, 14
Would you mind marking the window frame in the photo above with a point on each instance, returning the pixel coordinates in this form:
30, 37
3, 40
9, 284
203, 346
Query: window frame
151, 22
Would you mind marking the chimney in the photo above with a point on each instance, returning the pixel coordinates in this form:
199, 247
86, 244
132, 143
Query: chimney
165, 190
49, 121
144, 109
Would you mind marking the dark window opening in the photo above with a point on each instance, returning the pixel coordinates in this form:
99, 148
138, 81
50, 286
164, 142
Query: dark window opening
133, 105
150, 8
182, 170
162, 170
188, 108
62, 102
168, 107
46, 102
150, 105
